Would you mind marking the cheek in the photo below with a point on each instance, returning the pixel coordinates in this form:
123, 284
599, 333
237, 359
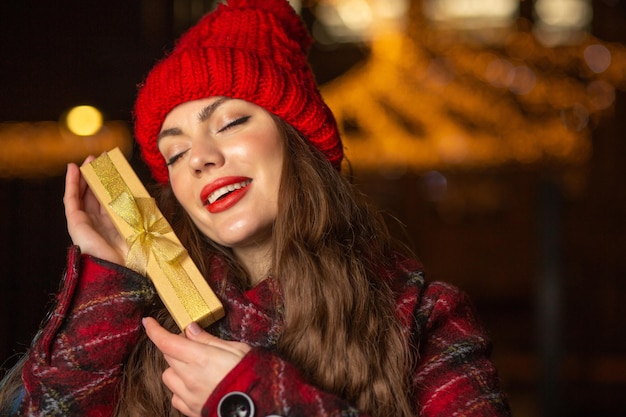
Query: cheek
276, 169
270, 152
181, 192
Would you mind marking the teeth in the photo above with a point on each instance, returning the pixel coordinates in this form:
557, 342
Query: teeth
226, 189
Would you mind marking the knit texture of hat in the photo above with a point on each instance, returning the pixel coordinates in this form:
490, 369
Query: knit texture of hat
254, 50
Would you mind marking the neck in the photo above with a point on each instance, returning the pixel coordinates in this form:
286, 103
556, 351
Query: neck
256, 260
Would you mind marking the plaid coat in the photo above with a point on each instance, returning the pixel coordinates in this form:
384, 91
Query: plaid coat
76, 360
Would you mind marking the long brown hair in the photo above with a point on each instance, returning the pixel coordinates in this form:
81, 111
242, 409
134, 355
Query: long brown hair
330, 254
330, 249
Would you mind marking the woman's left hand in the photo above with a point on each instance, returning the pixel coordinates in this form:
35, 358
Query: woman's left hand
197, 363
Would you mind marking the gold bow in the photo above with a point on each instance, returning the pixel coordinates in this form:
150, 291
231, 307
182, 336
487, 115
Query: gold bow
149, 228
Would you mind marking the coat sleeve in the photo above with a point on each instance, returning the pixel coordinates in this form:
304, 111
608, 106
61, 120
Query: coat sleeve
75, 361
455, 375
263, 384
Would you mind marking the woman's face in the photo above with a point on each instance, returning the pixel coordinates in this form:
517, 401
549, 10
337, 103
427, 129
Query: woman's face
225, 159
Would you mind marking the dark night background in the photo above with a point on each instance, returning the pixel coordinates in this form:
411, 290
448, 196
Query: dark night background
54, 55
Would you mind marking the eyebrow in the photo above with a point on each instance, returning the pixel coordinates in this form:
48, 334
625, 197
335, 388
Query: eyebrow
203, 116
206, 112
169, 132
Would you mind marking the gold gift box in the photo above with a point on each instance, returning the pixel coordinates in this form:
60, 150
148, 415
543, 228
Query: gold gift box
154, 249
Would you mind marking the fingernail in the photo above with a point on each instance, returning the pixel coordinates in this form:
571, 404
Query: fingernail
194, 328
143, 321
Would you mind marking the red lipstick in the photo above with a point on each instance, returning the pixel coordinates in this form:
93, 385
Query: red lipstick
224, 193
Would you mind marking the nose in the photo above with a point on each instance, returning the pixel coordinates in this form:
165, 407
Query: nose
204, 154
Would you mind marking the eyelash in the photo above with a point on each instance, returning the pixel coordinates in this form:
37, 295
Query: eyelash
175, 158
234, 123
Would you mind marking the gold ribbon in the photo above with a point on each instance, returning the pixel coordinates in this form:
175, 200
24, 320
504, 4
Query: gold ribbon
149, 230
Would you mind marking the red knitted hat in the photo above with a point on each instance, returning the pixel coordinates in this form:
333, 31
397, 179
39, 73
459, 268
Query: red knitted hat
254, 50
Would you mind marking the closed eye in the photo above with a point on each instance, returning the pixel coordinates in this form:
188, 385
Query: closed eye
175, 158
234, 123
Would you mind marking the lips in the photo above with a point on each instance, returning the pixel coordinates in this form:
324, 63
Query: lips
224, 192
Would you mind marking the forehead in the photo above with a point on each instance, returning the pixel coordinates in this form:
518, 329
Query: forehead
201, 107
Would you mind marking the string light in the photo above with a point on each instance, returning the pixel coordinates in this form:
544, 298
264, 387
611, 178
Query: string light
429, 98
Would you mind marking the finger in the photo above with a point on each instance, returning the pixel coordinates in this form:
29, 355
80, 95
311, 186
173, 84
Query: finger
89, 159
170, 344
91, 203
83, 187
181, 406
197, 334
175, 384
71, 196
172, 381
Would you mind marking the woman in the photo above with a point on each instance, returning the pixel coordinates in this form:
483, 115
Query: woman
325, 315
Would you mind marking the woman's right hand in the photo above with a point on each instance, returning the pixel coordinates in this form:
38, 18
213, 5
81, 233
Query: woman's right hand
88, 223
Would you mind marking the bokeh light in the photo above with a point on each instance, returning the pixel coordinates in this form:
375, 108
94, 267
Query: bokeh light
83, 120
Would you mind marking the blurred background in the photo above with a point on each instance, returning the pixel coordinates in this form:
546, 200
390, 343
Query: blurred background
493, 130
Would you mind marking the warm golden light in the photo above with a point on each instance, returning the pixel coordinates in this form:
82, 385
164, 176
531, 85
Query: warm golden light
472, 13
432, 100
572, 14
358, 20
560, 22
601, 94
84, 120
43, 149
597, 57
